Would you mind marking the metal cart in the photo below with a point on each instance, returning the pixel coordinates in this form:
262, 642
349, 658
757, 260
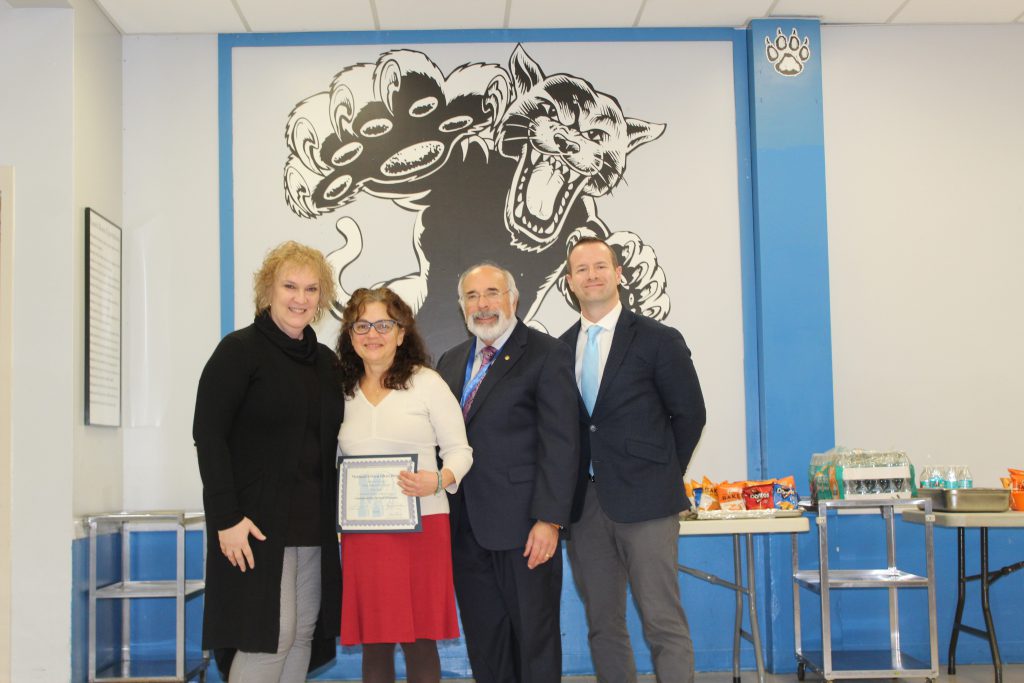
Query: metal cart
180, 669
890, 663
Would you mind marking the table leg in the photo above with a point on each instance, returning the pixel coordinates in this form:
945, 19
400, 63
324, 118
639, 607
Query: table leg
989, 626
738, 577
755, 628
961, 590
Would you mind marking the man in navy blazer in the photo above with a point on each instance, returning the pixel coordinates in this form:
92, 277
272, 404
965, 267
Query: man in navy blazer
519, 399
641, 413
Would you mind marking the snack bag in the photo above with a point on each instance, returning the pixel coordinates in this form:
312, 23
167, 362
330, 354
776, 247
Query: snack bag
784, 493
1016, 479
708, 496
1016, 489
730, 495
688, 485
758, 494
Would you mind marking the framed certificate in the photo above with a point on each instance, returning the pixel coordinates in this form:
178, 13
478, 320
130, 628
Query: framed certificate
369, 499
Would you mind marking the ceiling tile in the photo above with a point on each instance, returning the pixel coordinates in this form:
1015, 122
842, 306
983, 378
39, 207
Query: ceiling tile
702, 12
38, 4
450, 14
307, 15
839, 11
959, 11
572, 13
180, 16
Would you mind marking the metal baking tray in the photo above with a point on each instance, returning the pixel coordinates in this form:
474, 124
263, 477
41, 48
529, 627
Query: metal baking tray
967, 500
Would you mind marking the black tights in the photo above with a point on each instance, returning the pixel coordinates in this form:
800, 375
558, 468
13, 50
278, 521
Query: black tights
422, 665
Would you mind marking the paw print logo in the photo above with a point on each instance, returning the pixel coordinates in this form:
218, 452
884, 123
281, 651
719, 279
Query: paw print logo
787, 55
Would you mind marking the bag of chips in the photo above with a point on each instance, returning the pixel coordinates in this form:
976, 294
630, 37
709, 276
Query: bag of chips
708, 496
1016, 489
730, 495
757, 495
691, 487
784, 493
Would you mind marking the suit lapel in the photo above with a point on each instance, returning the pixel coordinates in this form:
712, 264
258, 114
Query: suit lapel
571, 337
509, 355
454, 372
623, 337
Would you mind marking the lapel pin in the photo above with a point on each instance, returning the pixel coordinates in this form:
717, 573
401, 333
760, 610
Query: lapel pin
507, 357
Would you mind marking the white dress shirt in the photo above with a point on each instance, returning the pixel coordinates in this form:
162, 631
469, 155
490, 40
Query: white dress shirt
414, 420
604, 341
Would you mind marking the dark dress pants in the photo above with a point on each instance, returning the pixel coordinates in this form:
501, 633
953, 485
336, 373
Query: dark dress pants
510, 614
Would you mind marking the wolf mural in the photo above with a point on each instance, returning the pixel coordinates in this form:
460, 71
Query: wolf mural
493, 164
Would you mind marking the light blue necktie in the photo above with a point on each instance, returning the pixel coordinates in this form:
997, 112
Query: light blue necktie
589, 380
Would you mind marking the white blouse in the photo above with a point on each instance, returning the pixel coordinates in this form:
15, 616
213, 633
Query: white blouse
418, 419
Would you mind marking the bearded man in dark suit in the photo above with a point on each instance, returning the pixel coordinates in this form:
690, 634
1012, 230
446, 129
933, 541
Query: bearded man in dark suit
519, 399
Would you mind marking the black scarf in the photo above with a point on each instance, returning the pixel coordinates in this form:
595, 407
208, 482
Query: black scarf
301, 350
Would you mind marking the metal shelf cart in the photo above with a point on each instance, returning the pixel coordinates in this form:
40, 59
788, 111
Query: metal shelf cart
890, 663
179, 669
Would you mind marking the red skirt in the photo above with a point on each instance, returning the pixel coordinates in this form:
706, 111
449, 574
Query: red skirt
398, 587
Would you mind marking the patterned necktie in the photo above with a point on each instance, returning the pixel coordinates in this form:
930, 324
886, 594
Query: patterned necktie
486, 356
589, 380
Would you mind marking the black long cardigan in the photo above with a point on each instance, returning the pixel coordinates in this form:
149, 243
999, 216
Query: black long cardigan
249, 422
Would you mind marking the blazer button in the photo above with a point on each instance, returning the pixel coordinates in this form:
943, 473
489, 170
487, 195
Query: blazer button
593, 428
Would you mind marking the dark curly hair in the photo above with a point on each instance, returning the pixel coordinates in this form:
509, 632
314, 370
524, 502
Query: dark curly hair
410, 355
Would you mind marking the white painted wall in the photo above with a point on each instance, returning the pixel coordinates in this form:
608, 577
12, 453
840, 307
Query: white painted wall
97, 140
36, 138
925, 169
171, 257
6, 262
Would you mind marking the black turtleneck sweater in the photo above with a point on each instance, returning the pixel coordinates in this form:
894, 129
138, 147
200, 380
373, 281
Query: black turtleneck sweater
305, 491
266, 425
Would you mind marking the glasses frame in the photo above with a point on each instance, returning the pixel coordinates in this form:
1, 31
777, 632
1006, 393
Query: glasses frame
392, 324
488, 295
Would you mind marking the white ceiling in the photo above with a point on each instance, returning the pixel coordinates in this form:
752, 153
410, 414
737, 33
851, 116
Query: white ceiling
242, 16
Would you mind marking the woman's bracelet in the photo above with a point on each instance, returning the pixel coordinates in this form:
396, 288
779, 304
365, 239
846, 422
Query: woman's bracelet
438, 490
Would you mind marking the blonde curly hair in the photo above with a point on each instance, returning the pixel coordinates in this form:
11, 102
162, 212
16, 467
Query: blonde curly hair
287, 256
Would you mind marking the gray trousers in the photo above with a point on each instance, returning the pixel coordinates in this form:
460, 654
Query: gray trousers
300, 606
604, 556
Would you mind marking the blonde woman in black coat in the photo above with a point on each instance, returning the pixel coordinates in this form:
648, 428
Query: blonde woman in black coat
268, 410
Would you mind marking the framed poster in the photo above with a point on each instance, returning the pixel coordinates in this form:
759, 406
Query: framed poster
103, 321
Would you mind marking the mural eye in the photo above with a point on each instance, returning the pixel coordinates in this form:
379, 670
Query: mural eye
547, 109
347, 153
423, 106
375, 128
455, 123
596, 135
337, 187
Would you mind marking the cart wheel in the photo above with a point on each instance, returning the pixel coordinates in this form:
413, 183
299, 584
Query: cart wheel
800, 671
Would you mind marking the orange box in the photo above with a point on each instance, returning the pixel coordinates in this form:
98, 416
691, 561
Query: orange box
1017, 500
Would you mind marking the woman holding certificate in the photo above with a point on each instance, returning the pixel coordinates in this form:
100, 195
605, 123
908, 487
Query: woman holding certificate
268, 409
398, 586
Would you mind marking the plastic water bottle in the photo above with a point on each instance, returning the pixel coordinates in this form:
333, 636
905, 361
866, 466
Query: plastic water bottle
964, 478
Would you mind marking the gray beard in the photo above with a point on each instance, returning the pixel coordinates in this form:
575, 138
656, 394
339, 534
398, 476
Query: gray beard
490, 332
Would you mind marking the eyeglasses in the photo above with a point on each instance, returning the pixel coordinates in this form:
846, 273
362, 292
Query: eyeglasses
382, 326
490, 295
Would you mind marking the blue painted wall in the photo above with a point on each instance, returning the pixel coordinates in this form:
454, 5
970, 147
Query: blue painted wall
794, 346
860, 616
